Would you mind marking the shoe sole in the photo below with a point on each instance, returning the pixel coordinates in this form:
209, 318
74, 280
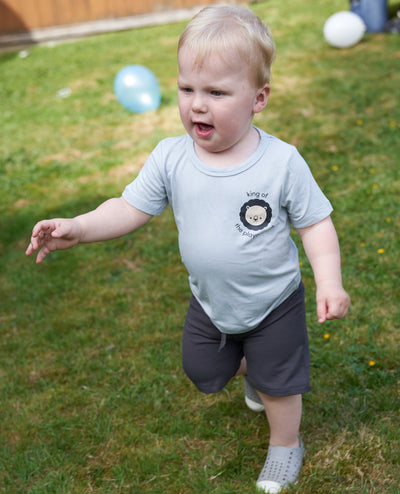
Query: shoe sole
253, 405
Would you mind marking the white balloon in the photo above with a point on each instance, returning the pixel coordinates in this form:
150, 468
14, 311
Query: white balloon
344, 29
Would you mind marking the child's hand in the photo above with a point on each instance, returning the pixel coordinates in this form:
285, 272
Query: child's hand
332, 301
51, 235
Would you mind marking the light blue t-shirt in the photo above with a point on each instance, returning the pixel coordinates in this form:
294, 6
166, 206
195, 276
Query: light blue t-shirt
234, 223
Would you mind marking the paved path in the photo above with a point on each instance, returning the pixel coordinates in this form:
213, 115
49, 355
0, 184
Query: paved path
76, 31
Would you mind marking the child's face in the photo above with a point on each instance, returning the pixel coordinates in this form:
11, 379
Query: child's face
217, 101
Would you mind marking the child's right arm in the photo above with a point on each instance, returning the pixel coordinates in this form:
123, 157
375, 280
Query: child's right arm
114, 218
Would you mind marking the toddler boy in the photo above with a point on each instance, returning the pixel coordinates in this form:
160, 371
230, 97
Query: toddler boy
235, 191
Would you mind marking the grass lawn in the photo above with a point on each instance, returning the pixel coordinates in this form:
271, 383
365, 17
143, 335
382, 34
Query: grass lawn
93, 396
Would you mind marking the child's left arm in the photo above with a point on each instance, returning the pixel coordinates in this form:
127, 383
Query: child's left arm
321, 246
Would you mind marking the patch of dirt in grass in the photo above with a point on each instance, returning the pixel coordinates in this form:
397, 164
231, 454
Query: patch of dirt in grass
358, 458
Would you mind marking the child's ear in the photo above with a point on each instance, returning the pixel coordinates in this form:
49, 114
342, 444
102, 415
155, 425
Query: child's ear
261, 98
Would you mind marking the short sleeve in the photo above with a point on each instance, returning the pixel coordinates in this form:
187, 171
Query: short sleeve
303, 199
148, 191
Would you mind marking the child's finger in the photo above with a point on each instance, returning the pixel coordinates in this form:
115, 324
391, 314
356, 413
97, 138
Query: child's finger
322, 311
33, 245
61, 230
43, 227
29, 250
42, 254
337, 310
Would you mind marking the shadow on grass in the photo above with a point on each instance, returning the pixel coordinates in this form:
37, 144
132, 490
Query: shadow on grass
14, 227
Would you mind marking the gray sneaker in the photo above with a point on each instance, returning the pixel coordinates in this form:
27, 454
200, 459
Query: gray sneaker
253, 401
281, 468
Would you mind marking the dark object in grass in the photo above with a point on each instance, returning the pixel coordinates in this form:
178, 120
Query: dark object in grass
392, 26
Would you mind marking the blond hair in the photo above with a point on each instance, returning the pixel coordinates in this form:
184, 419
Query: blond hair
225, 29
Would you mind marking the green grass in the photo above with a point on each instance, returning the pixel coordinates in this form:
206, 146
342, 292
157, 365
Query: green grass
93, 396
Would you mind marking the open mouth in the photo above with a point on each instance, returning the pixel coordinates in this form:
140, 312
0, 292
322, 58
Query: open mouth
203, 130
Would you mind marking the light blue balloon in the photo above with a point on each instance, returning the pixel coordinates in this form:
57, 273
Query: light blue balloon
137, 89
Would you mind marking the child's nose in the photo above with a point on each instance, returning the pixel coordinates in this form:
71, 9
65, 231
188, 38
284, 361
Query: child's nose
199, 104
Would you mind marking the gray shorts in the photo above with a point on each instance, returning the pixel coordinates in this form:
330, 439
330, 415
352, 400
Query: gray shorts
276, 351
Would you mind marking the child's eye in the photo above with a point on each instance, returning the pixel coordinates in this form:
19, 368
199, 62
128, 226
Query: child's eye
186, 89
217, 93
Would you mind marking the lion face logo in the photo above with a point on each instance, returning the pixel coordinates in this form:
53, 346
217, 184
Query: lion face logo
255, 214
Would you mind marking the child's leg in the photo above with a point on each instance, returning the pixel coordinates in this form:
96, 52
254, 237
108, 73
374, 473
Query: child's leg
277, 361
242, 371
284, 417
286, 451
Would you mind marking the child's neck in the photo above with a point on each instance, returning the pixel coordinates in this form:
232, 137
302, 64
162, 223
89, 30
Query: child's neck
232, 156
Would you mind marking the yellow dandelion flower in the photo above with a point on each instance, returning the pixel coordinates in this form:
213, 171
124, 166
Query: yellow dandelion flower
300, 264
362, 244
388, 220
381, 251
375, 186
372, 171
393, 124
327, 336
335, 168
360, 121
371, 363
